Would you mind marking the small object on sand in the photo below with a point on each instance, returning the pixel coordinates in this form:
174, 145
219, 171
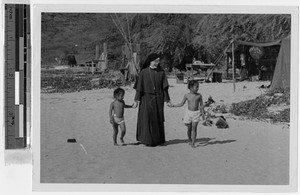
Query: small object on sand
74, 141
83, 148
207, 122
71, 141
209, 101
264, 86
221, 123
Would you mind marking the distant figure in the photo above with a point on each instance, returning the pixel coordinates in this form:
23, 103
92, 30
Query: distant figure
116, 115
72, 60
193, 112
244, 71
151, 93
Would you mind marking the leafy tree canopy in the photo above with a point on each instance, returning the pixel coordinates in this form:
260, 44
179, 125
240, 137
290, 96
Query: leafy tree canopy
179, 37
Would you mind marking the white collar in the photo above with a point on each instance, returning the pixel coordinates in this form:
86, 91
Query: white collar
153, 67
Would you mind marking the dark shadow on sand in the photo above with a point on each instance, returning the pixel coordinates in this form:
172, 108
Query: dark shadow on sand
139, 143
134, 144
180, 141
199, 141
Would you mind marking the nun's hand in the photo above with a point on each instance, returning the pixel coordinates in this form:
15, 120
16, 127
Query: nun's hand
169, 104
135, 104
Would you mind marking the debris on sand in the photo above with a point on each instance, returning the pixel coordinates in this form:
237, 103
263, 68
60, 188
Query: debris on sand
217, 108
260, 107
207, 122
209, 102
212, 106
222, 123
264, 86
283, 116
222, 108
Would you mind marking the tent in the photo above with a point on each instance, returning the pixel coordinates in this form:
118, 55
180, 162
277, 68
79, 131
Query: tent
282, 73
256, 59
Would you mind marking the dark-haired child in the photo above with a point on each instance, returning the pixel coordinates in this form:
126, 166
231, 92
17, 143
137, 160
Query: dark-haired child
194, 111
116, 115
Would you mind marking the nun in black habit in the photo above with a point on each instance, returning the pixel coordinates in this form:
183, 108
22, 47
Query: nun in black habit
151, 93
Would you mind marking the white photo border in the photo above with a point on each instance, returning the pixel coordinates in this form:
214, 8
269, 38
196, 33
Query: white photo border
39, 7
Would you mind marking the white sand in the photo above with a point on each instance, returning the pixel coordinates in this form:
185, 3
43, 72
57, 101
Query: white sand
248, 152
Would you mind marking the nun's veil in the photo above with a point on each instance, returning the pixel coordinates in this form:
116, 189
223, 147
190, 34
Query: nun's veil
149, 59
146, 64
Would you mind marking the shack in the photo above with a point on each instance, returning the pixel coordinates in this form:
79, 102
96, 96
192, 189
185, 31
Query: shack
253, 60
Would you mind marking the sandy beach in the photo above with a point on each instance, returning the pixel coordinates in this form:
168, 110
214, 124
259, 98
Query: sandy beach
249, 152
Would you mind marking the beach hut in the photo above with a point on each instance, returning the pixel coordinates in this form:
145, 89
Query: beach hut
254, 61
265, 61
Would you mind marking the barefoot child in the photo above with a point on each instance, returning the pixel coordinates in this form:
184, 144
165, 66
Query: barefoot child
194, 110
116, 114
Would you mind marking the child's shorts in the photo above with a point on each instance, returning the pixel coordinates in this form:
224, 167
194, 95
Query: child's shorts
119, 120
191, 116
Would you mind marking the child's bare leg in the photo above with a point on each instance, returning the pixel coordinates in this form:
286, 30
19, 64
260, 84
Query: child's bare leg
123, 132
189, 130
194, 133
115, 127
